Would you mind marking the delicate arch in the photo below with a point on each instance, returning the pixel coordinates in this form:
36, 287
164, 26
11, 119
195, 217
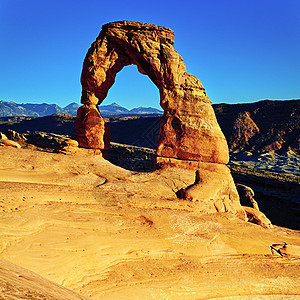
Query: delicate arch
189, 129
190, 137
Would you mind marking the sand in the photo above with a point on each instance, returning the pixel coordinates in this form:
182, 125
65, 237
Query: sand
108, 233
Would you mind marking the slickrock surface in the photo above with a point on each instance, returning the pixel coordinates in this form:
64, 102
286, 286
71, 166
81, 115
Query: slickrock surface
19, 283
212, 186
108, 233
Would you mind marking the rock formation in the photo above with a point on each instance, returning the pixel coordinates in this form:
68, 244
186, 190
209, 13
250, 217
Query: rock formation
257, 217
244, 129
9, 143
190, 137
3, 136
70, 147
251, 208
188, 115
14, 136
246, 196
90, 127
261, 126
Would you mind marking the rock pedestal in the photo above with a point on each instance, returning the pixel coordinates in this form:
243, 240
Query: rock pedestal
89, 127
189, 134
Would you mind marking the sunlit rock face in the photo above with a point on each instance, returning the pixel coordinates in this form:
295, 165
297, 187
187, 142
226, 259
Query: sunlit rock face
189, 131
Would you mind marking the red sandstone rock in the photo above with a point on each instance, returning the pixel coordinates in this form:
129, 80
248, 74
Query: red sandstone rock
73, 150
9, 143
257, 217
261, 126
190, 137
213, 188
189, 129
246, 196
244, 129
70, 142
89, 127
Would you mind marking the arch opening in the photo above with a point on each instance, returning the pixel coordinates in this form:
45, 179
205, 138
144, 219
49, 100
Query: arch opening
132, 89
133, 133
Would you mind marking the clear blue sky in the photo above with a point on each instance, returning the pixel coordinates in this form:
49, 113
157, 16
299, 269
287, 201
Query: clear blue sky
241, 50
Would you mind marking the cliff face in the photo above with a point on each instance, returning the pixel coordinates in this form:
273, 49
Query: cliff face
261, 126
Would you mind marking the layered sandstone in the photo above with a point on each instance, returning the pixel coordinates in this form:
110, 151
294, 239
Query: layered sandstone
90, 127
108, 233
189, 129
189, 138
9, 143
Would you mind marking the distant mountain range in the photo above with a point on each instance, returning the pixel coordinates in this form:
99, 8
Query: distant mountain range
260, 126
9, 108
115, 109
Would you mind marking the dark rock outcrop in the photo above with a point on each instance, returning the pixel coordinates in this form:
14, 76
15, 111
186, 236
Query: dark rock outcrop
246, 196
261, 126
56, 123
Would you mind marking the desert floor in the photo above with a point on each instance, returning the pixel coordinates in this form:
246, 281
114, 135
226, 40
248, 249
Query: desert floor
108, 233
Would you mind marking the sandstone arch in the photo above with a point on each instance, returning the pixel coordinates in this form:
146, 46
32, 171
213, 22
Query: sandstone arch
189, 129
190, 137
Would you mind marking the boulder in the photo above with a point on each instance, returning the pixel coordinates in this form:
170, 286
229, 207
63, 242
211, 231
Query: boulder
257, 217
246, 196
3, 136
9, 143
71, 150
70, 147
70, 142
